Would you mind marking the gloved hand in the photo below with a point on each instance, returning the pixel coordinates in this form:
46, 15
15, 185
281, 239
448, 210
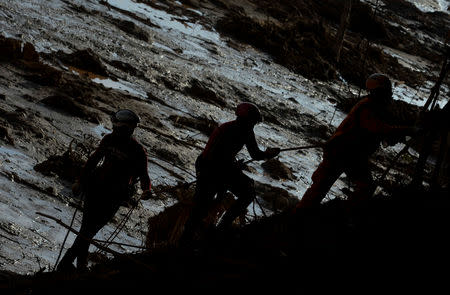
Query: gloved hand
76, 188
272, 152
240, 164
146, 195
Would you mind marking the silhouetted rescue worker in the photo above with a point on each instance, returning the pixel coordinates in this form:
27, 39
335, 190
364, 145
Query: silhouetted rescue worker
218, 171
107, 186
356, 138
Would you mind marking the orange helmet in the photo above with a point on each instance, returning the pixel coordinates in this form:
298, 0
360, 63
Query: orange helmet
377, 80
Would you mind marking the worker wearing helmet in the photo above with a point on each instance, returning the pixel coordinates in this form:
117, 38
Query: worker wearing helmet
106, 186
356, 138
217, 169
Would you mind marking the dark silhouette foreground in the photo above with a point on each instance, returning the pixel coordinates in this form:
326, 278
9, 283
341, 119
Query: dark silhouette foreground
396, 243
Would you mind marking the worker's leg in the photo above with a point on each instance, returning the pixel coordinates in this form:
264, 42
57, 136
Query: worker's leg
364, 186
95, 217
205, 191
244, 189
322, 180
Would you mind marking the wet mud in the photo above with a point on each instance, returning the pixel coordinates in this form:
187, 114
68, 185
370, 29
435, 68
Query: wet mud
66, 66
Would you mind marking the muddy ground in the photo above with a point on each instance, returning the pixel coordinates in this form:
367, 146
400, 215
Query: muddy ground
66, 66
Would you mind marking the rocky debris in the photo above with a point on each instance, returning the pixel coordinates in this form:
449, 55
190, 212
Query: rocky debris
4, 135
278, 170
397, 11
275, 198
306, 45
131, 28
85, 59
168, 155
67, 166
20, 121
26, 57
200, 90
204, 125
294, 45
167, 226
70, 106
128, 68
41, 73
10, 49
29, 52
172, 81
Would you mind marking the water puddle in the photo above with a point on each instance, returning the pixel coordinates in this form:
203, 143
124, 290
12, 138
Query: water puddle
120, 85
166, 20
431, 5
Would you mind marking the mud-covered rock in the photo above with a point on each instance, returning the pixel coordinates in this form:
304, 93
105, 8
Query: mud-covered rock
299, 45
275, 198
302, 38
4, 135
20, 120
204, 125
29, 53
278, 170
168, 155
67, 166
41, 73
68, 105
127, 68
200, 90
85, 59
132, 29
27, 58
10, 49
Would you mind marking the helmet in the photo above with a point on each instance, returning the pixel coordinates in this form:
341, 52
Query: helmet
377, 80
126, 117
249, 112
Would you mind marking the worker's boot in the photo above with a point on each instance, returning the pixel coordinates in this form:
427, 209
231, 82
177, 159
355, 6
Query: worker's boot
66, 263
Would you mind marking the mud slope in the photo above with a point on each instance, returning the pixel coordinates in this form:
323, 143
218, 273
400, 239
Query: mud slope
183, 66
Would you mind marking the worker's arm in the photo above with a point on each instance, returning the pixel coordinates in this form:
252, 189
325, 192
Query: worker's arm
255, 152
369, 121
89, 166
144, 179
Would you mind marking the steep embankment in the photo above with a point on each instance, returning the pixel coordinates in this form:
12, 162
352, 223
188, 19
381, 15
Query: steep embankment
68, 65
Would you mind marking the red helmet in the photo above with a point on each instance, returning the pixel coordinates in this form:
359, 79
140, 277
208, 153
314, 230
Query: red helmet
377, 80
249, 112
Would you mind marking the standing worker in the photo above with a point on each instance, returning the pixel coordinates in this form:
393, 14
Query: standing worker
356, 138
106, 186
218, 171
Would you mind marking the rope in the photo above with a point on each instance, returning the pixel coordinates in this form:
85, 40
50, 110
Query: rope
98, 245
119, 227
67, 234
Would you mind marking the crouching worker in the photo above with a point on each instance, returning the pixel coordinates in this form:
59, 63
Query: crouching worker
218, 171
356, 138
107, 186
